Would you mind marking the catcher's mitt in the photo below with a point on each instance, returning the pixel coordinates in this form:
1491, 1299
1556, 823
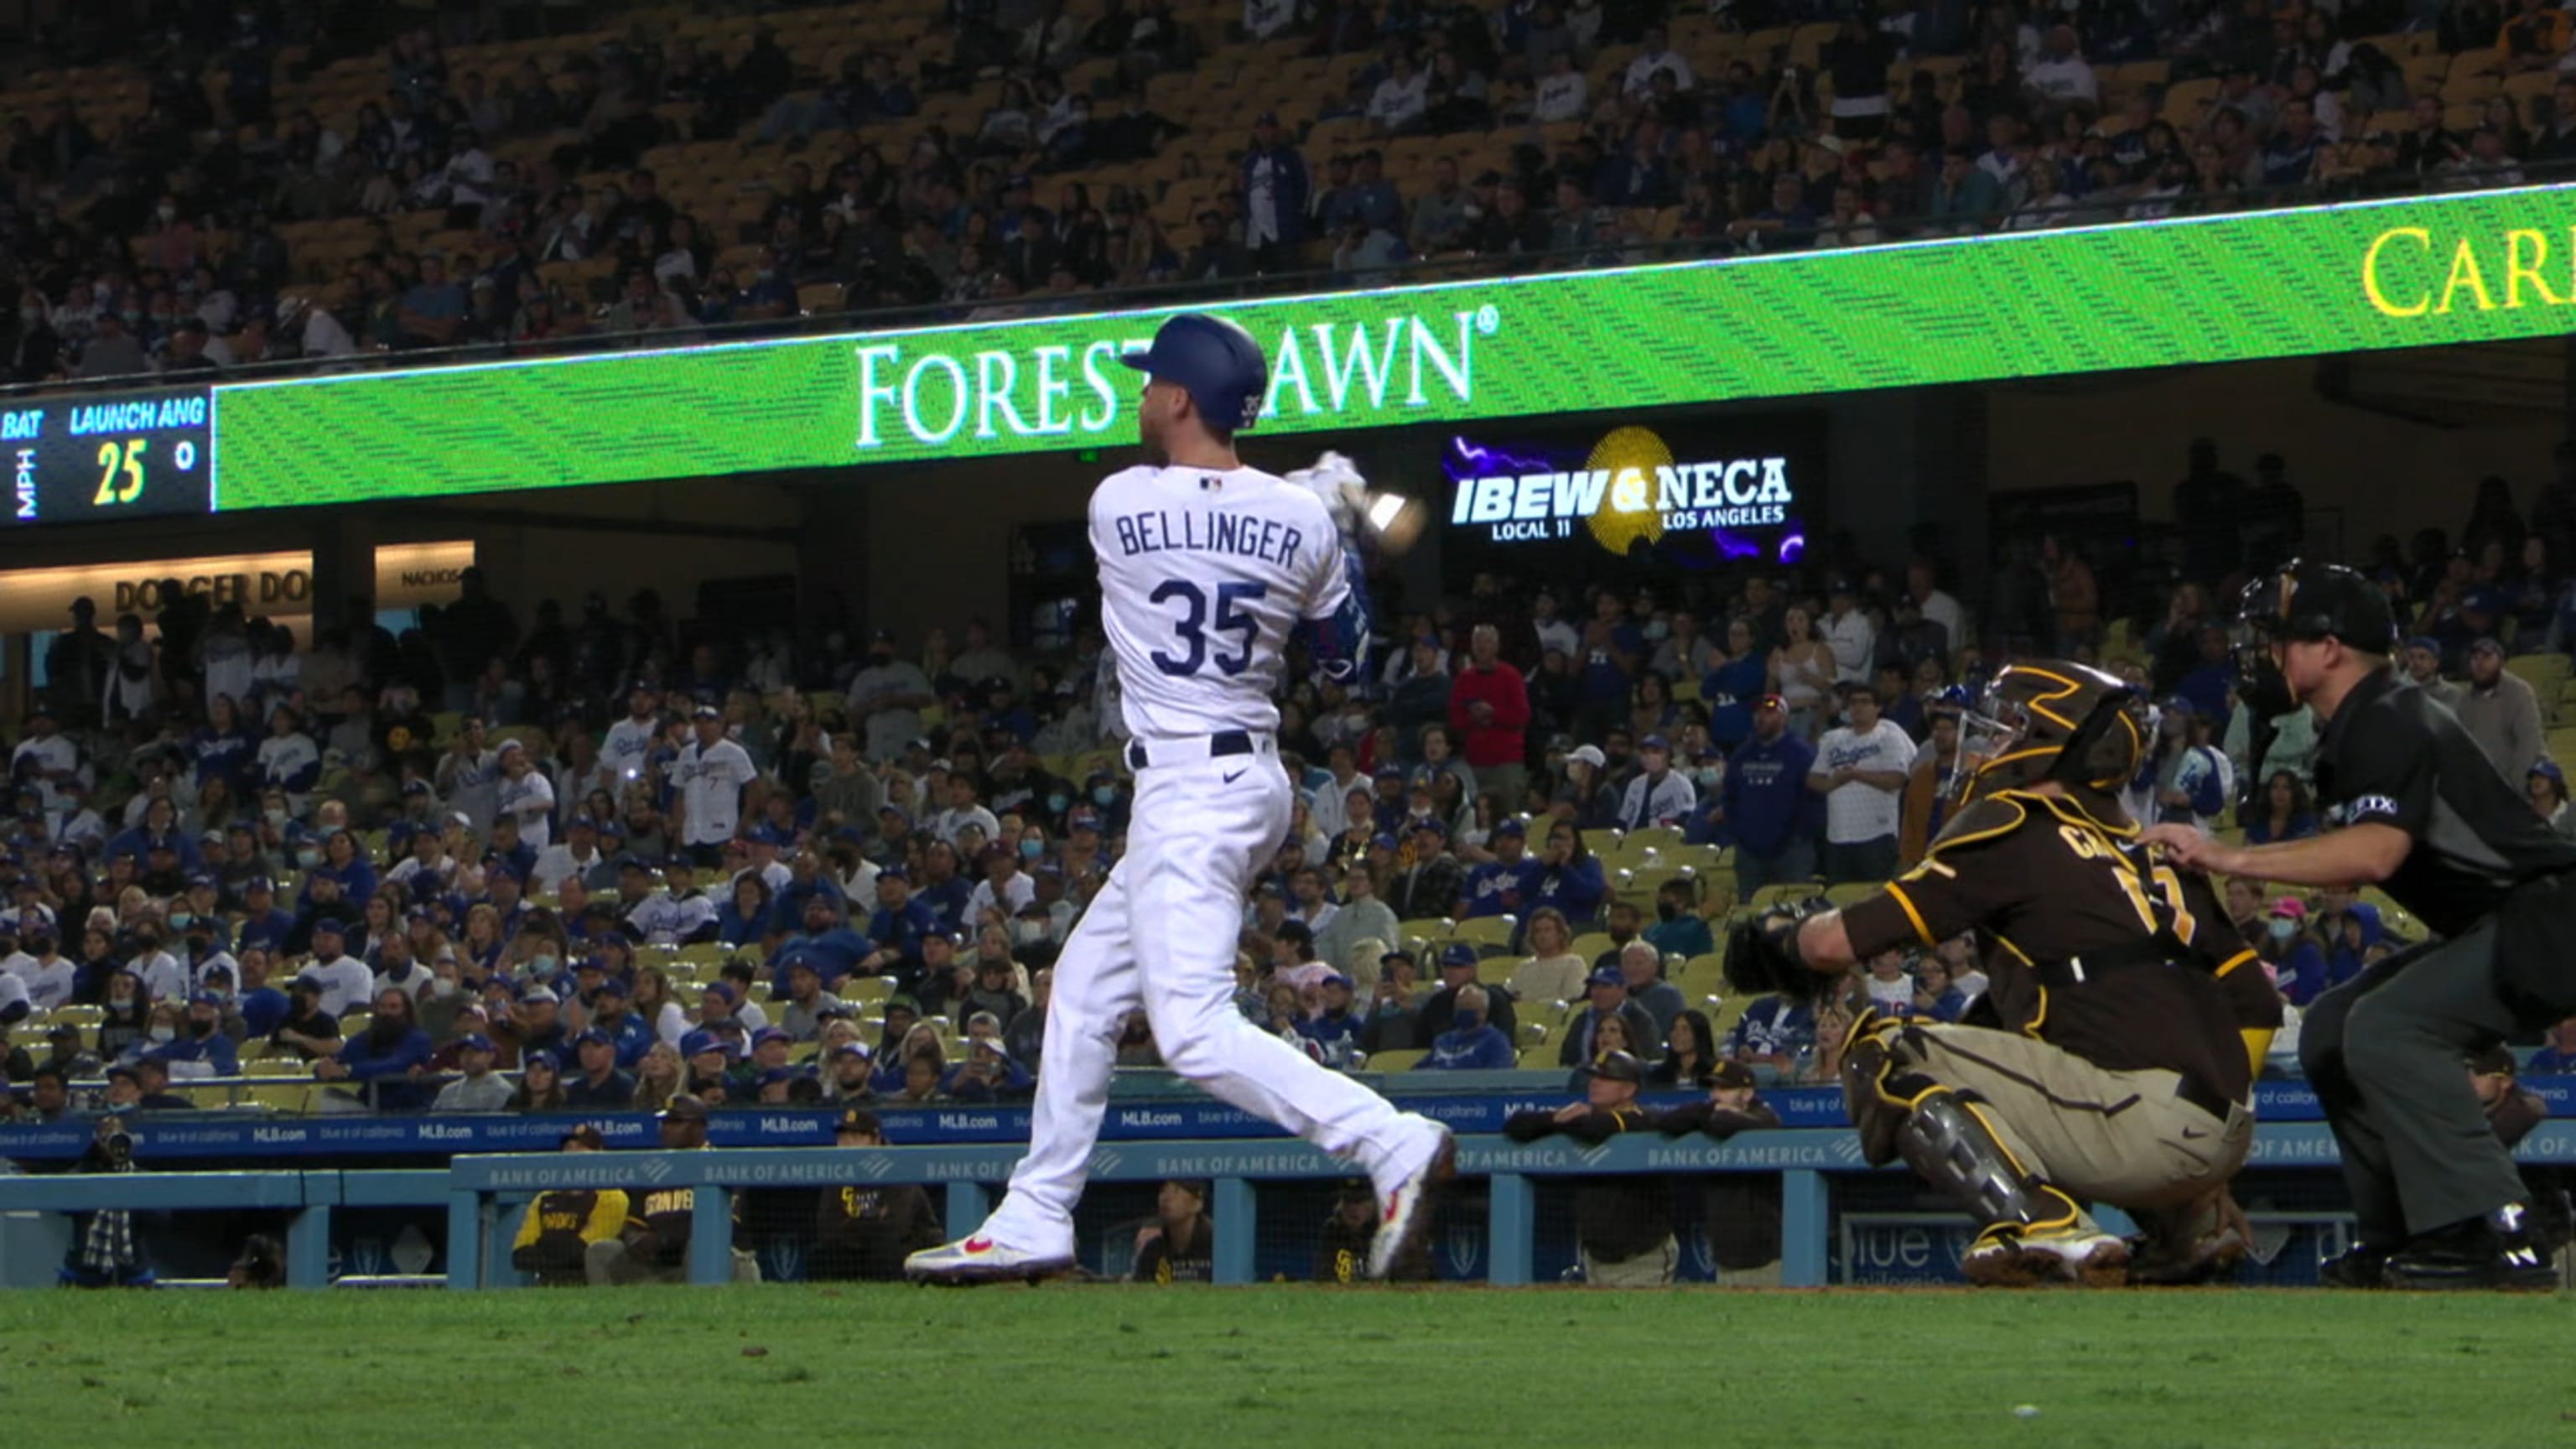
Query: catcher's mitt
1762, 955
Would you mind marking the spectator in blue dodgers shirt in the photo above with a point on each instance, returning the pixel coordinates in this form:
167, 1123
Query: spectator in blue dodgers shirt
1860, 769
1767, 808
385, 1065
1472, 1043
1608, 1000
823, 936
2557, 1055
1773, 1032
1333, 1035
1569, 878
2191, 775
202, 1049
1504, 885
1659, 795
897, 928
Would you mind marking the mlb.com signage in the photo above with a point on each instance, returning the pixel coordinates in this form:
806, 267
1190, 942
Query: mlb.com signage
1370, 372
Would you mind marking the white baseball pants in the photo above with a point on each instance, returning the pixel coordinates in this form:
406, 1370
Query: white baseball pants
1162, 935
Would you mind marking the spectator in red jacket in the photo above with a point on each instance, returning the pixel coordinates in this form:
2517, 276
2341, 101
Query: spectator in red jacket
1489, 708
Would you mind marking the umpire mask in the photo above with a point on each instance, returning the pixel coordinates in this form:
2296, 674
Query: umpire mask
2303, 603
2052, 720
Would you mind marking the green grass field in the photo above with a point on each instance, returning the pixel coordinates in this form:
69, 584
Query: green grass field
1137, 1367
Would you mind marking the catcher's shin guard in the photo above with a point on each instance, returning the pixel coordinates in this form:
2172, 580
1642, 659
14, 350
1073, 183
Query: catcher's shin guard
1868, 1064
1946, 1138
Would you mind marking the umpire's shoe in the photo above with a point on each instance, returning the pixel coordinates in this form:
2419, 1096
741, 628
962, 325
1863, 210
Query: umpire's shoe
2363, 1265
2496, 1250
981, 1259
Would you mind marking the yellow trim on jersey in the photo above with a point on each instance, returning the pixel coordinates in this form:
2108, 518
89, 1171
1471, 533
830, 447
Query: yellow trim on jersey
1897, 894
2232, 962
2258, 1045
2021, 813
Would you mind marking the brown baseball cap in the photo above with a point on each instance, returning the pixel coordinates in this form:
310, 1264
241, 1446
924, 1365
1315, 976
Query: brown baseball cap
684, 1108
587, 1135
859, 1119
1731, 1074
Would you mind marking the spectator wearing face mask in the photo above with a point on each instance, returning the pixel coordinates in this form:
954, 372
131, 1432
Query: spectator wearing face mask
201, 1048
1472, 1043
2296, 962
1679, 929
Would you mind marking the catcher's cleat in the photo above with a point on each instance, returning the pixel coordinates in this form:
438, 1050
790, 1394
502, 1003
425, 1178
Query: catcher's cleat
980, 1259
1404, 1210
2200, 1242
2005, 1256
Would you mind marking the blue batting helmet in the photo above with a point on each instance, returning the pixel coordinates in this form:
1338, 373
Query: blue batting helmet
1215, 361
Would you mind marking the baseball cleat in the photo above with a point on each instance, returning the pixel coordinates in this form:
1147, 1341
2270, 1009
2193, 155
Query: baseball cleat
2360, 1266
2007, 1257
979, 1259
2494, 1251
1404, 1211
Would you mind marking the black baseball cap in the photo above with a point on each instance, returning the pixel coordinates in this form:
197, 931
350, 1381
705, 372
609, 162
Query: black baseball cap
1619, 1067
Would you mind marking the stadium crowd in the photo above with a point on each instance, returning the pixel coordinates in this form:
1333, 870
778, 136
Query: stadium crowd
600, 860
633, 183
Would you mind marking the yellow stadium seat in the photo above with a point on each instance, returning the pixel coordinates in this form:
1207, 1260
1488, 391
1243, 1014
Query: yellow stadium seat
1401, 1060
1701, 976
1425, 928
276, 1067
1851, 891
1534, 1033
866, 990
293, 1099
1489, 932
1591, 944
1785, 893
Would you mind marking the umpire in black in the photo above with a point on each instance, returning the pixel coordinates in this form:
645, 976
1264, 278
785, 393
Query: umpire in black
2423, 814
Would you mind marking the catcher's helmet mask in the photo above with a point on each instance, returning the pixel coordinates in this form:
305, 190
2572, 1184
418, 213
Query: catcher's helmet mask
2052, 720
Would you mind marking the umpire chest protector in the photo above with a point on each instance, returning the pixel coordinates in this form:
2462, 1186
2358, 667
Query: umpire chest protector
2393, 755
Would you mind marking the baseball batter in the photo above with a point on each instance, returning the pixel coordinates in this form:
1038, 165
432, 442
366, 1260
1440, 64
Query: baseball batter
1206, 566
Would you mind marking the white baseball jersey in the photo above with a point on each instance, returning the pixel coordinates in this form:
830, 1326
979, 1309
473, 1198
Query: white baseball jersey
1202, 574
711, 779
529, 799
630, 743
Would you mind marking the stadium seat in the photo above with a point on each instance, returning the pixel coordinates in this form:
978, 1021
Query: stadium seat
1486, 932
1424, 928
1701, 976
291, 1099
275, 1067
1535, 1033
1850, 891
1591, 944
1400, 1060
865, 991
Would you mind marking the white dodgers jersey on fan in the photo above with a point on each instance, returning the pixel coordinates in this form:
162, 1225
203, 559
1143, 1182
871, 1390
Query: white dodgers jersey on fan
1202, 575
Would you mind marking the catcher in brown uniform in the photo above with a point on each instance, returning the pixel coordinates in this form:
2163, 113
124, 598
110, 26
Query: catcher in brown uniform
2113, 1057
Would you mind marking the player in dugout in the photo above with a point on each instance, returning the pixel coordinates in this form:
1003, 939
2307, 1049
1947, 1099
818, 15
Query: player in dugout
2113, 1058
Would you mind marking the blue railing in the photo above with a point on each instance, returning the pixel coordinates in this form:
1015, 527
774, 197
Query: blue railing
483, 1193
